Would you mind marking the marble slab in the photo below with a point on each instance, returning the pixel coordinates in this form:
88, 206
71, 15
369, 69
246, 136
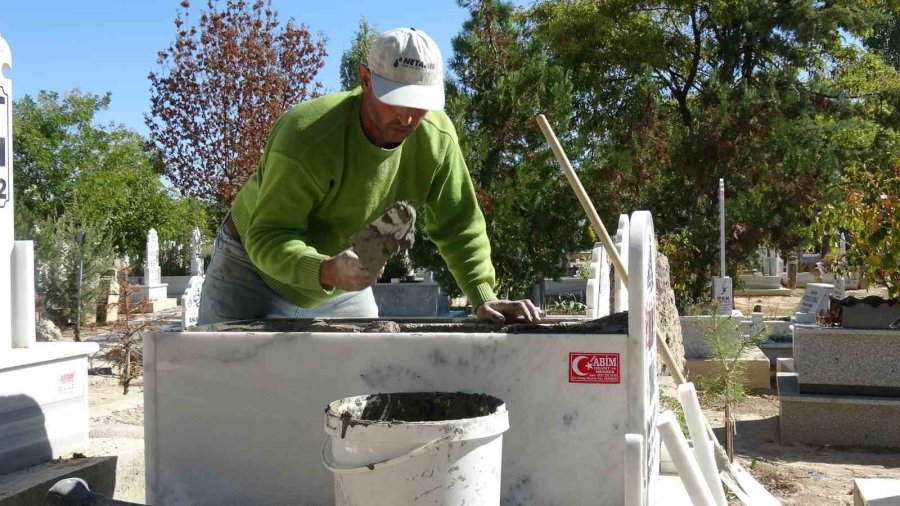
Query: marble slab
237, 417
836, 420
835, 360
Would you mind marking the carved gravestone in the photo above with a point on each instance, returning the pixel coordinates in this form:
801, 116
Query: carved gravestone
196, 258
151, 266
190, 301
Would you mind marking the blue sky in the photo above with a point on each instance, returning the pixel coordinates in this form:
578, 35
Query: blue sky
101, 46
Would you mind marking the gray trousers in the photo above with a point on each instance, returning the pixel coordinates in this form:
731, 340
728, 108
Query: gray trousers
233, 290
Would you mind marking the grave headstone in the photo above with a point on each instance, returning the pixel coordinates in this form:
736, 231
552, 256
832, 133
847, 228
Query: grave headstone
814, 301
723, 294
597, 292
151, 266
840, 281
191, 302
196, 258
621, 289
152, 293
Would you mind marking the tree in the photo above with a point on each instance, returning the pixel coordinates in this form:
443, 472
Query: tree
95, 175
672, 95
223, 83
56, 140
503, 80
358, 53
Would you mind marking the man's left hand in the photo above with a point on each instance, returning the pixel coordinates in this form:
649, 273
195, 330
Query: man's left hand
502, 311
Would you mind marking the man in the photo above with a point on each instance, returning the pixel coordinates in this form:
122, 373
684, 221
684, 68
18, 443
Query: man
331, 166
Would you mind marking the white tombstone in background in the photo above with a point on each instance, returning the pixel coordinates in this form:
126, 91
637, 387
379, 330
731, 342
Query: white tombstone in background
151, 265
723, 294
196, 257
814, 301
840, 280
603, 266
43, 386
597, 291
621, 289
152, 293
190, 301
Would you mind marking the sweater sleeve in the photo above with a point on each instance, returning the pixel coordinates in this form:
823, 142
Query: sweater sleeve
275, 237
455, 224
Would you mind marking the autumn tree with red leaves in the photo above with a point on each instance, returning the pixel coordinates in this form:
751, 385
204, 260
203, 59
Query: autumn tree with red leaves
222, 85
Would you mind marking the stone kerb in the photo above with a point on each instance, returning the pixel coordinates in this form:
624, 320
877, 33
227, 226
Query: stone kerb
642, 314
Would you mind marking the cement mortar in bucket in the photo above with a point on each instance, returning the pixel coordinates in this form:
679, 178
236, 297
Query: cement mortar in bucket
415, 448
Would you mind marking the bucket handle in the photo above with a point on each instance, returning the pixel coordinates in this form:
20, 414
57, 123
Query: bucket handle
333, 467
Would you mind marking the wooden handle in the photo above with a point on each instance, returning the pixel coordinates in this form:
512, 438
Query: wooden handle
621, 269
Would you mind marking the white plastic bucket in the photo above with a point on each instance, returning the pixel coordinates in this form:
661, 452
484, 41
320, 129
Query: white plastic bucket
415, 448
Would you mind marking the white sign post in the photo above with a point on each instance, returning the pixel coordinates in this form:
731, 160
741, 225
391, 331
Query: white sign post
723, 292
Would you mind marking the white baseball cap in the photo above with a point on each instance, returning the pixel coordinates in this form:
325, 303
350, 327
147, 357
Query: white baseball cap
407, 69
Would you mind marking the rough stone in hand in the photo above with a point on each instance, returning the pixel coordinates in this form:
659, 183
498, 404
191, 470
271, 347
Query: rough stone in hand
391, 233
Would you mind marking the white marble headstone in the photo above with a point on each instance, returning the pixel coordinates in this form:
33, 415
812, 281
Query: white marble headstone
151, 269
814, 300
6, 195
620, 288
196, 258
642, 345
190, 302
723, 294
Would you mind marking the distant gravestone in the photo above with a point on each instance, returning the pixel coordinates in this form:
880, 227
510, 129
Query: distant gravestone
190, 301
621, 289
196, 258
814, 300
190, 309
597, 294
723, 294
151, 266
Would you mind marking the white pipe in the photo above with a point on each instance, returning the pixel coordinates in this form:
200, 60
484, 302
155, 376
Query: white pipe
684, 461
634, 470
23, 332
722, 226
703, 447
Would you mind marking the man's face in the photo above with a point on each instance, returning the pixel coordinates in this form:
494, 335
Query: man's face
385, 125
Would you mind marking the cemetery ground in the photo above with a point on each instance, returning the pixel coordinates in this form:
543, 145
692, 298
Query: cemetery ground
797, 474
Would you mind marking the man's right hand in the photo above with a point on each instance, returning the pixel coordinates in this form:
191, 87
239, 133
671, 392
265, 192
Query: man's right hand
346, 272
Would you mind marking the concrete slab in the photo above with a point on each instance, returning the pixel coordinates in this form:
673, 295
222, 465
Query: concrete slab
29, 487
838, 361
876, 492
853, 421
756, 369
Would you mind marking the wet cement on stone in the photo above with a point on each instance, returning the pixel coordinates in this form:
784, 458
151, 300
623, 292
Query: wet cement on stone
390, 234
616, 323
422, 407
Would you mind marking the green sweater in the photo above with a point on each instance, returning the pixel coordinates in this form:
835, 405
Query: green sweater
320, 180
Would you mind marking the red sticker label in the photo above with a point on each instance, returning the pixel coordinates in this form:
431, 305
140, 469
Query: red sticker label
594, 368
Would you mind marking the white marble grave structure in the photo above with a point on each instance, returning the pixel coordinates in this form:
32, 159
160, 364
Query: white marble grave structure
190, 301
815, 300
43, 386
234, 413
152, 293
620, 289
597, 291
